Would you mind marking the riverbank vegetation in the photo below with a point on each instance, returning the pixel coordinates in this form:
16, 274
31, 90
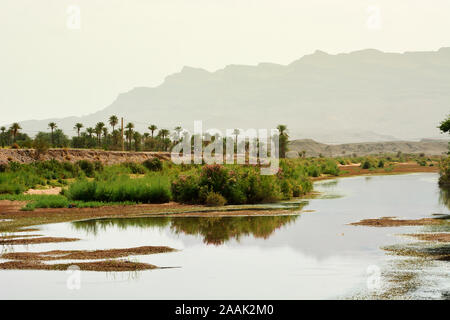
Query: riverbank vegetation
92, 184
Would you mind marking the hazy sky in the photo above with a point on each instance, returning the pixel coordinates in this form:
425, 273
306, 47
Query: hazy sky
50, 68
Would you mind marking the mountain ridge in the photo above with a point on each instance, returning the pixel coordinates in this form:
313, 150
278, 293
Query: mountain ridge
320, 95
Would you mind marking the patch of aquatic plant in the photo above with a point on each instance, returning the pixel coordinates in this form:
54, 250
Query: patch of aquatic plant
60, 201
147, 189
49, 201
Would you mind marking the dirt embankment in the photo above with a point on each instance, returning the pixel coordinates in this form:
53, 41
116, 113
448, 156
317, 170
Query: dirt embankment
73, 155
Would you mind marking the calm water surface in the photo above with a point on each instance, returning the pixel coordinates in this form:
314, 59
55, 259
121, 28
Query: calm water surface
312, 255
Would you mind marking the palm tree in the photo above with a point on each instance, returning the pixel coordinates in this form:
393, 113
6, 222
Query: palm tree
129, 133
113, 121
15, 127
152, 128
52, 127
236, 133
178, 131
98, 130
137, 140
163, 133
283, 140
90, 131
78, 127
3, 129
283, 129
105, 133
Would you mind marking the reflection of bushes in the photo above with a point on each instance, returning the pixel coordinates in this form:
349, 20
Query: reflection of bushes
218, 230
214, 230
444, 196
444, 179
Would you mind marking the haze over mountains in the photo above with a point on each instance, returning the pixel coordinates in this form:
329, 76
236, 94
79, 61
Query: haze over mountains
361, 96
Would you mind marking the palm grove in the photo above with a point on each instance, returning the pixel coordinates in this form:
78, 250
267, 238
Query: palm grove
108, 136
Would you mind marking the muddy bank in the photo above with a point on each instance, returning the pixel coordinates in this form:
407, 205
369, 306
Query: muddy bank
9, 241
73, 155
111, 266
390, 222
85, 254
438, 237
427, 250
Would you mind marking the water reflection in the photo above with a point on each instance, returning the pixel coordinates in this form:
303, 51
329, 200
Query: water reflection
213, 230
444, 196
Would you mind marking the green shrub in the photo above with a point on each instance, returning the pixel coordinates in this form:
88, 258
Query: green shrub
241, 184
3, 167
380, 163
214, 199
330, 167
87, 167
153, 164
135, 168
422, 162
367, 164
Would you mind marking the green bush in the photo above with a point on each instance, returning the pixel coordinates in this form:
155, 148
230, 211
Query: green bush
214, 199
240, 184
87, 167
367, 164
422, 162
135, 168
153, 164
3, 167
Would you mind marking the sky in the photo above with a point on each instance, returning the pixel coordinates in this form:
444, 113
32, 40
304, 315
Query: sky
73, 57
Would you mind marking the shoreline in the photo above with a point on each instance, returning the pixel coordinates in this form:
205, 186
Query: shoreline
16, 219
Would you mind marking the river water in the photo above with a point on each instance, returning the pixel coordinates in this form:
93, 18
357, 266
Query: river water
312, 254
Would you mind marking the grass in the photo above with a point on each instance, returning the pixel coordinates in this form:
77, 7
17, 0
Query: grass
59, 201
147, 189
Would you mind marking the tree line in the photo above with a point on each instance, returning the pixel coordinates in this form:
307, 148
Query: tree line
109, 137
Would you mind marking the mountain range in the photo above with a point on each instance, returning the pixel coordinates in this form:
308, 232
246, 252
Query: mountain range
366, 95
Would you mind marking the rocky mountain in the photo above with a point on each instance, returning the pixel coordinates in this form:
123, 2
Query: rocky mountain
365, 95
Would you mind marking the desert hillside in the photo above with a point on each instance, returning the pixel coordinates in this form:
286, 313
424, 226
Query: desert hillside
314, 148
